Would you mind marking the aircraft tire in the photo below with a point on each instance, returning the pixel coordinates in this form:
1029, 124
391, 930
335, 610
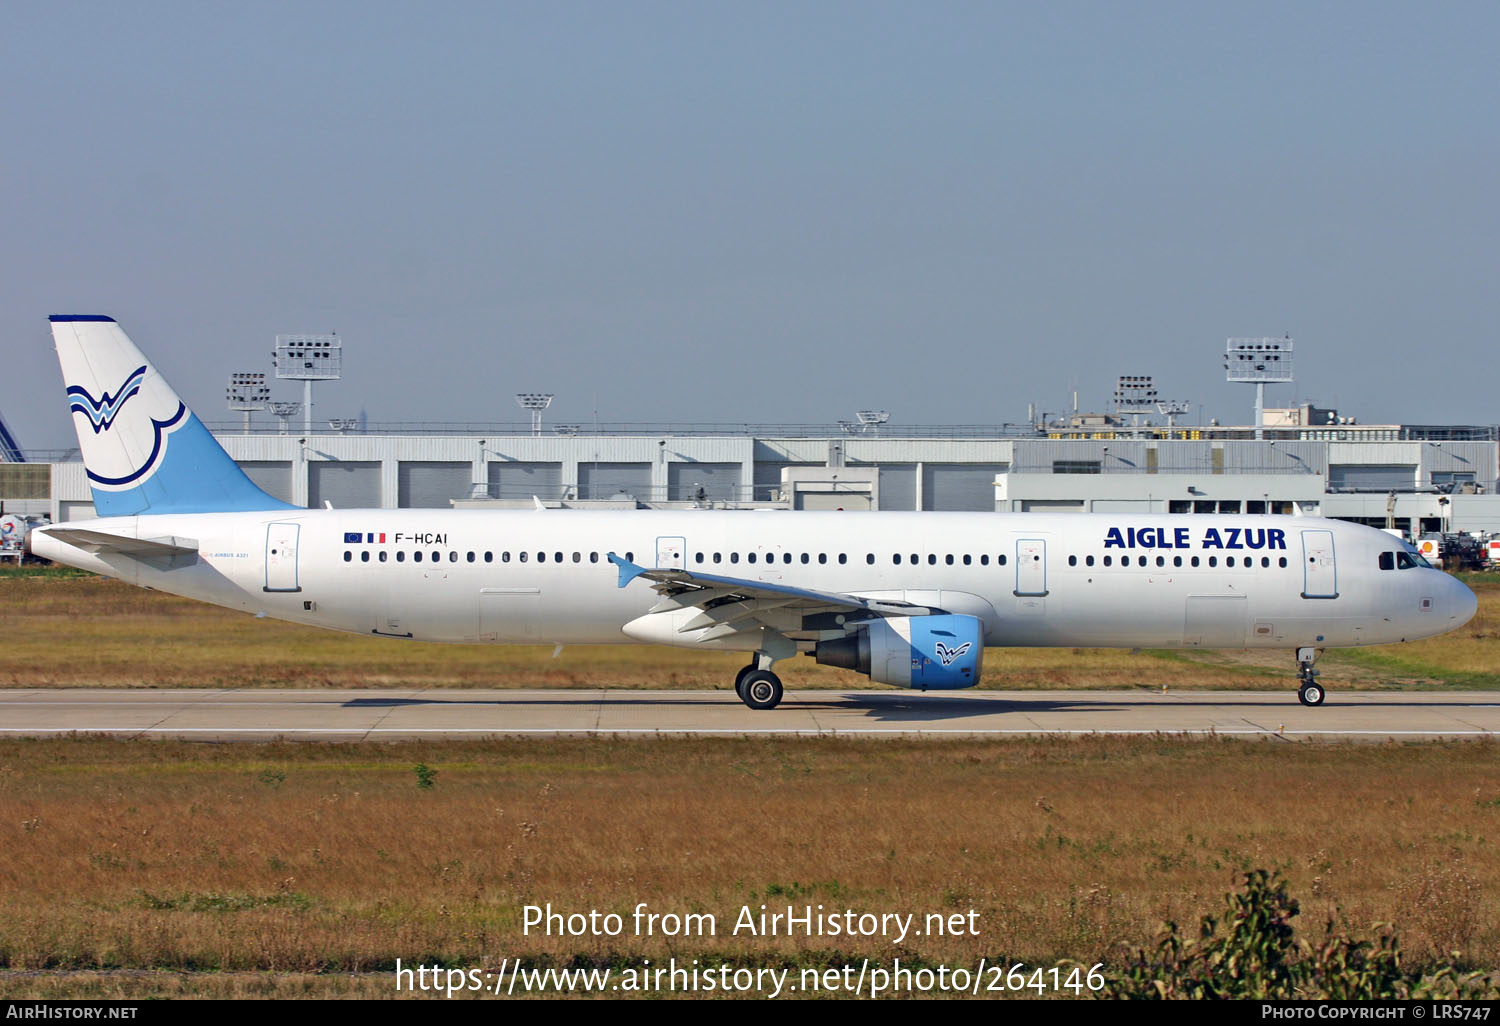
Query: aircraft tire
1310, 694
762, 689
739, 681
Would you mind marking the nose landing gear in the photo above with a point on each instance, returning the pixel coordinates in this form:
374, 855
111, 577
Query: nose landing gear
1309, 691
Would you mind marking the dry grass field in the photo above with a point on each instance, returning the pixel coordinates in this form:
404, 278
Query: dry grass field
290, 869
137, 638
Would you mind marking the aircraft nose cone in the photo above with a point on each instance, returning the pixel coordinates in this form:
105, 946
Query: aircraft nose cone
1462, 604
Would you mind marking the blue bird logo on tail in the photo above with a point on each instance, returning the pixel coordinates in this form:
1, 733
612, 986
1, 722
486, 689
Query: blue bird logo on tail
102, 412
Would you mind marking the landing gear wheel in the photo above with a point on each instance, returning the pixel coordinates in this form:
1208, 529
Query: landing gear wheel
761, 689
739, 681
1310, 694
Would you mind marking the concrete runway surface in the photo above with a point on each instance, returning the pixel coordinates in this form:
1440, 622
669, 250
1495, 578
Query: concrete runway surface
357, 715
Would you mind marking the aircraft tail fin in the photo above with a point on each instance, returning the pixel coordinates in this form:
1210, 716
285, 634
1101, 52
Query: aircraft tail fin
143, 449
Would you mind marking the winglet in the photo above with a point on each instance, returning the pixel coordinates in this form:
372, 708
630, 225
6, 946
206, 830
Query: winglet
628, 570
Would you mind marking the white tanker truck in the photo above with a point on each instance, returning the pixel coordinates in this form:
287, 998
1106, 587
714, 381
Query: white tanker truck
14, 529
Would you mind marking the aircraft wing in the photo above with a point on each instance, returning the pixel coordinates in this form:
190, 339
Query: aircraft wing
683, 588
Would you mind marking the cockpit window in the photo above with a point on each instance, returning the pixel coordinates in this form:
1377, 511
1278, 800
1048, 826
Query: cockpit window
1408, 560
1415, 558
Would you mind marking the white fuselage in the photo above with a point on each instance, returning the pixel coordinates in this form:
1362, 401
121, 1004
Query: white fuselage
1031, 579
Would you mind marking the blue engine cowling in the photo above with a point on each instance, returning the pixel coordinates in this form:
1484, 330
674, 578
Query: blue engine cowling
939, 652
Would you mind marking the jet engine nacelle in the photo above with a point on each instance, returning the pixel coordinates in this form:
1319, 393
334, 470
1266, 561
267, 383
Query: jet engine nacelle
924, 652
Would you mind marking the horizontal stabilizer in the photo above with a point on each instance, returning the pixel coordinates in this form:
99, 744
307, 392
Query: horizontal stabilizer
104, 542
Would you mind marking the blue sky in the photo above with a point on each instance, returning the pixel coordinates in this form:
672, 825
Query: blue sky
758, 211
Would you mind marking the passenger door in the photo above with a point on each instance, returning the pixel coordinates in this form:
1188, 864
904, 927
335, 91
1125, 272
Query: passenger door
281, 557
1319, 570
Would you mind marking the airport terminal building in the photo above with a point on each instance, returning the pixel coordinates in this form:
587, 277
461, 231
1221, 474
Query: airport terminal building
1416, 477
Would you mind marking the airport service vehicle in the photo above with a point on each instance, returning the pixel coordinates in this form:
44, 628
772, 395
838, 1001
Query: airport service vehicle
909, 599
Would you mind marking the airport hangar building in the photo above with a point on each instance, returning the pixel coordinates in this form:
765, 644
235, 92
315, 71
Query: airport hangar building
1417, 477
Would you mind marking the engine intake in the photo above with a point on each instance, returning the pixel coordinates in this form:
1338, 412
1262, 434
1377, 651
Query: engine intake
939, 652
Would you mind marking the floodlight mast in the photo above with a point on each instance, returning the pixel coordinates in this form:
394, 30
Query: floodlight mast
285, 412
536, 402
1259, 361
247, 392
1134, 395
1172, 409
870, 420
309, 358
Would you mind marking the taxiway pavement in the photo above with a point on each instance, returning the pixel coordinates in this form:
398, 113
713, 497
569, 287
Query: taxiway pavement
354, 715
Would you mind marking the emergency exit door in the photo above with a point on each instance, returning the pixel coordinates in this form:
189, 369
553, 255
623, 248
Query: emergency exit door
1031, 566
671, 553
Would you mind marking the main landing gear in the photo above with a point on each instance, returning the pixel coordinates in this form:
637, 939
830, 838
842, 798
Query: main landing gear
758, 688
1309, 691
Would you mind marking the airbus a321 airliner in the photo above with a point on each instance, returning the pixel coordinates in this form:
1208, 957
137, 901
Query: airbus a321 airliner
909, 599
